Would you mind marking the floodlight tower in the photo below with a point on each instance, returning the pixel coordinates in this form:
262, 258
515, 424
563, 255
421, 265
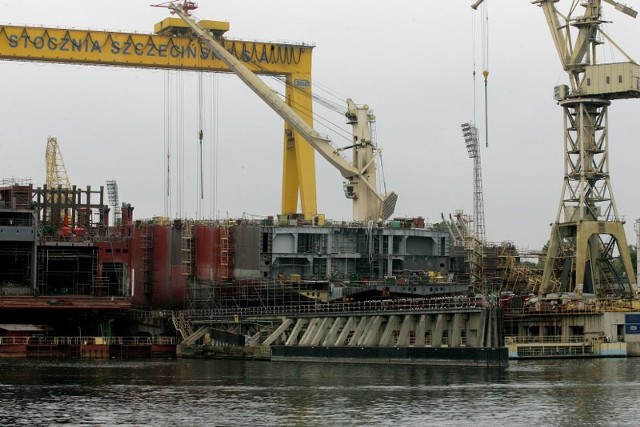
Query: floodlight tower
588, 233
470, 133
474, 242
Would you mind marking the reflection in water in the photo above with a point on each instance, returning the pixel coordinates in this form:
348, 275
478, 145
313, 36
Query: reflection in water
213, 392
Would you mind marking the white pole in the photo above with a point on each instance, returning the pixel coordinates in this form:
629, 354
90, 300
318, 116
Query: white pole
637, 229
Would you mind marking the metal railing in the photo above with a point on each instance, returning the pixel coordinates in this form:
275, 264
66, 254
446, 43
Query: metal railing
439, 304
552, 339
78, 340
553, 309
571, 307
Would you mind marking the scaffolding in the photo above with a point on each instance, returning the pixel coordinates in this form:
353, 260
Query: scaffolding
146, 249
69, 213
186, 248
113, 278
466, 253
66, 270
256, 293
225, 252
15, 193
201, 294
112, 192
508, 269
17, 260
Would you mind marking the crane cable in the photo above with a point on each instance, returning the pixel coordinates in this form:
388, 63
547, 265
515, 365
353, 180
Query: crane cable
213, 138
168, 101
484, 27
181, 146
200, 136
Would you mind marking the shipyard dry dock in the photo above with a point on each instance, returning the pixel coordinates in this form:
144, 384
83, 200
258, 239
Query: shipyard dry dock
436, 331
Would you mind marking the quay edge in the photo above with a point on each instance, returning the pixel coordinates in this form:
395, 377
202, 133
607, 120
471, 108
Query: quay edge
495, 357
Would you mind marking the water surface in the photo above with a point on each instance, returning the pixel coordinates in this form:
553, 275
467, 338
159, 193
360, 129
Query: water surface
236, 393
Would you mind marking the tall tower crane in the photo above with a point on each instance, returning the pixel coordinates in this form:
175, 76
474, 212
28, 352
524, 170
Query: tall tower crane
56, 170
588, 233
360, 185
57, 179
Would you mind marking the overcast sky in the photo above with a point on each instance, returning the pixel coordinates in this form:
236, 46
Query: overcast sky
410, 61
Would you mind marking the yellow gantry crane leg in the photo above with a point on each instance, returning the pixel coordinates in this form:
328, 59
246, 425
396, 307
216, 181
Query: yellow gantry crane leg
299, 169
173, 47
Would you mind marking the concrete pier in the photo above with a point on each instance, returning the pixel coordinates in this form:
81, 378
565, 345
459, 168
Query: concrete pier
381, 330
413, 331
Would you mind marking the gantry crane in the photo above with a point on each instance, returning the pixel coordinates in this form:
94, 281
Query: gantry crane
172, 47
368, 203
588, 233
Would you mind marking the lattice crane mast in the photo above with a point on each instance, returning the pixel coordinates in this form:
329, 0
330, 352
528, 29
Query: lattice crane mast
56, 170
470, 134
588, 232
114, 201
368, 203
58, 183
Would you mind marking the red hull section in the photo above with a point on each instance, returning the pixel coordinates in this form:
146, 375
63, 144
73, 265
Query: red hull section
157, 266
207, 241
57, 250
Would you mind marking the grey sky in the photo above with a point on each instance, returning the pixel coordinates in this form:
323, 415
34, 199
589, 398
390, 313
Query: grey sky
410, 61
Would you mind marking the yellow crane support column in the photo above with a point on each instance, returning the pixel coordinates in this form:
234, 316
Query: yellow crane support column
299, 167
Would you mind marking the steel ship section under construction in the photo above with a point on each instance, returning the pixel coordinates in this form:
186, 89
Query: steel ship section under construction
69, 276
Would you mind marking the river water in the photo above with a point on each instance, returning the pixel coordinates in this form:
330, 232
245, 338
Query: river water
599, 392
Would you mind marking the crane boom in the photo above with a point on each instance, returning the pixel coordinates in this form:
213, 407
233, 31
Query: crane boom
377, 207
577, 52
319, 142
622, 8
56, 170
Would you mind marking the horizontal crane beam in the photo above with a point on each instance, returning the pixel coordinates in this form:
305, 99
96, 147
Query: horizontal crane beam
174, 47
61, 45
